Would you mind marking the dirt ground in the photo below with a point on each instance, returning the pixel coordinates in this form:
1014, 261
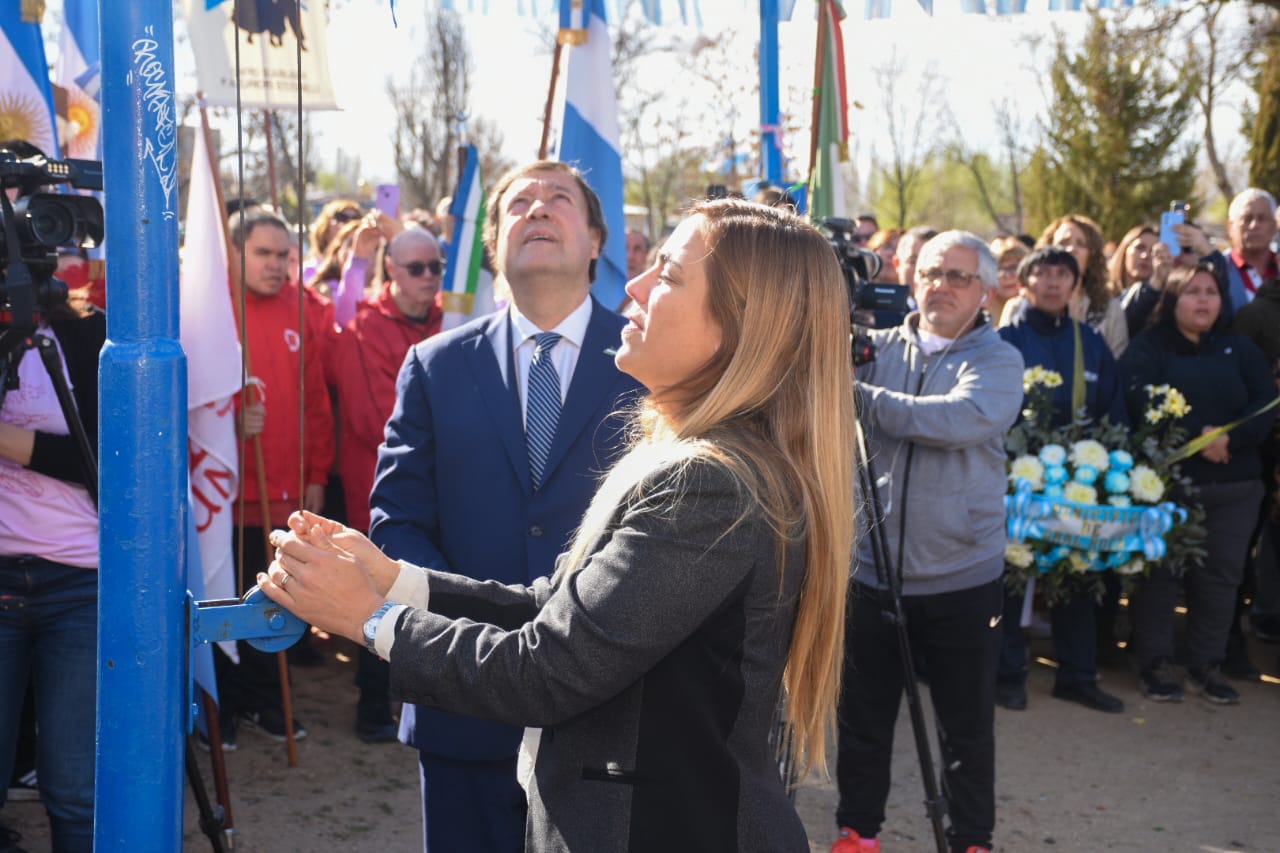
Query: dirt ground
1185, 777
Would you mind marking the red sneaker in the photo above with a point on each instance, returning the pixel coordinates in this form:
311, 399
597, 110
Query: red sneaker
851, 842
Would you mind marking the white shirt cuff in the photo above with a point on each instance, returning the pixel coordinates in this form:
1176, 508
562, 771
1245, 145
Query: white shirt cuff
385, 637
410, 586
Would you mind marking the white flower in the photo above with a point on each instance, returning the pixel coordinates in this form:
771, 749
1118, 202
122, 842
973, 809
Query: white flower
1019, 554
1091, 453
1145, 485
1028, 468
1080, 493
1053, 454
1121, 501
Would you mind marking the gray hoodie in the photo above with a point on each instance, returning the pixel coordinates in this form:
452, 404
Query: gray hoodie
935, 425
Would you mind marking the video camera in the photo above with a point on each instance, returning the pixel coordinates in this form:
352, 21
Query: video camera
871, 305
33, 226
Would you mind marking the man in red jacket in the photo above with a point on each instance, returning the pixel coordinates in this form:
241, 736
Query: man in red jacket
368, 359
286, 368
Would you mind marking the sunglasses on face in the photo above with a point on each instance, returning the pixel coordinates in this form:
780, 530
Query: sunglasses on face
345, 216
417, 268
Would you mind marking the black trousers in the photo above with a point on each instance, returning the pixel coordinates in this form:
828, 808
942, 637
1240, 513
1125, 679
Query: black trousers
1075, 640
957, 637
254, 684
1230, 511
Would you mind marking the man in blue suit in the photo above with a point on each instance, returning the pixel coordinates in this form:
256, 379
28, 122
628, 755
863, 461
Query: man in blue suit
480, 474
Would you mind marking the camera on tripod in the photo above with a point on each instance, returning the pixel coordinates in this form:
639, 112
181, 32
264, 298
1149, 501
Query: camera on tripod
872, 305
36, 223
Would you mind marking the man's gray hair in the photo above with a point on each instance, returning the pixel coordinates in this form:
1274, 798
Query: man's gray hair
988, 269
1246, 198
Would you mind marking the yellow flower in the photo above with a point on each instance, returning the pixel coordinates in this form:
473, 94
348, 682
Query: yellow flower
1176, 404
1078, 562
1019, 554
1091, 453
1080, 493
1038, 375
1152, 416
1029, 468
1145, 485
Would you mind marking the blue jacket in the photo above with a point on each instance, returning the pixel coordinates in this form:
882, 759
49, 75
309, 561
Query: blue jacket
1049, 342
453, 493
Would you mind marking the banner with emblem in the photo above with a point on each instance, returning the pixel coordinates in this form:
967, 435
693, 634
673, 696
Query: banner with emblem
26, 98
208, 334
270, 33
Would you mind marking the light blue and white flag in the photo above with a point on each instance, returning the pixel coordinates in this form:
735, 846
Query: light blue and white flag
468, 286
589, 139
78, 73
26, 98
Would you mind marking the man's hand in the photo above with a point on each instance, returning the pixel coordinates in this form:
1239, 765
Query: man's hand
313, 498
254, 420
1194, 239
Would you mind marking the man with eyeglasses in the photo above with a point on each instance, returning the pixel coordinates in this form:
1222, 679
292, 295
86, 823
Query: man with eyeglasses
1046, 335
1251, 226
368, 357
935, 405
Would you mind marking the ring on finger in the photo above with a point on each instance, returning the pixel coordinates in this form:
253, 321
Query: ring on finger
284, 579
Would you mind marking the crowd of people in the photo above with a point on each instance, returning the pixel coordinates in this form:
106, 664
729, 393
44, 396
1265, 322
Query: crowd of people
594, 552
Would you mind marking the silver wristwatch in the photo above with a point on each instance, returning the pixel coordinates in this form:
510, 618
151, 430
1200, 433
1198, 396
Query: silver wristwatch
370, 630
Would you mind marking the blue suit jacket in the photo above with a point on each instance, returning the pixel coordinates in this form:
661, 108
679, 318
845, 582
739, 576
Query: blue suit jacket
452, 490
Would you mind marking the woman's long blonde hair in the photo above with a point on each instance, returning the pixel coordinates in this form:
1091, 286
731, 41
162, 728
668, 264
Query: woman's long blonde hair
775, 405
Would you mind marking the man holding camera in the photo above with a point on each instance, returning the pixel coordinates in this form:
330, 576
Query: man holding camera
935, 406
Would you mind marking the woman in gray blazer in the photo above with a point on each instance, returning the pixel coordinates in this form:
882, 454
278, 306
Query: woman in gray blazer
707, 577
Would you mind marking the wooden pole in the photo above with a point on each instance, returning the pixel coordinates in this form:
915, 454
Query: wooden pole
271, 160
551, 97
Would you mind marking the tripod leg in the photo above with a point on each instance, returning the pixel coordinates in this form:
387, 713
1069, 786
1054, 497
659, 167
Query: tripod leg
210, 819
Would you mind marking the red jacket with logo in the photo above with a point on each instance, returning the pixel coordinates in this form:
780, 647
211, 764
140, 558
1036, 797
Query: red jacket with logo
275, 362
368, 359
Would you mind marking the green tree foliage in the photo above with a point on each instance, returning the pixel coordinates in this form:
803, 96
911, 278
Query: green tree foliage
1114, 145
1264, 132
948, 194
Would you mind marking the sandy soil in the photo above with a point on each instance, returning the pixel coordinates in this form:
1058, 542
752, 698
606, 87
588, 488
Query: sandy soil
1186, 777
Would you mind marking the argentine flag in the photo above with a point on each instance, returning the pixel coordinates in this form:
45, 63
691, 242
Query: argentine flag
78, 73
26, 99
589, 139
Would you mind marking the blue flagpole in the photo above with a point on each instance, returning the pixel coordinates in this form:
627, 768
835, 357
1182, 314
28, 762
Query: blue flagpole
770, 111
142, 636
